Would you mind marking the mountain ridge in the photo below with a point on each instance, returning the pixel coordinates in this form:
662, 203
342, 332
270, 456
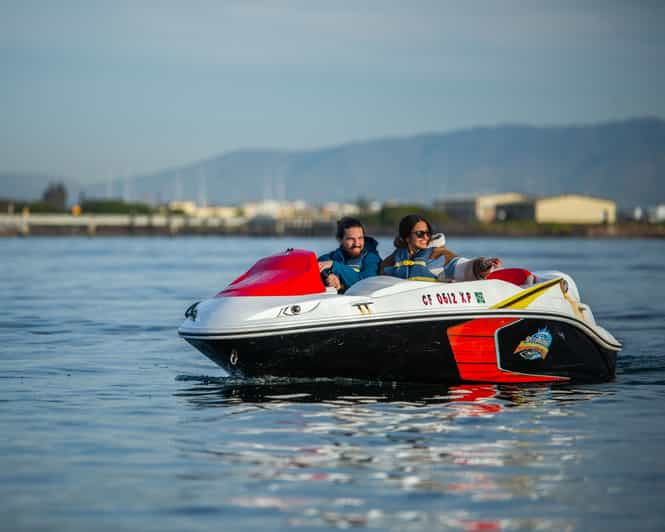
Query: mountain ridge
623, 160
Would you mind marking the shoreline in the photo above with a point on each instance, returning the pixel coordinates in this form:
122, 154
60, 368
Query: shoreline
104, 225
621, 230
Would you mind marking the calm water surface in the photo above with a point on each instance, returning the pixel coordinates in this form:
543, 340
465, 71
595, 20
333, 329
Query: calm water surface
109, 421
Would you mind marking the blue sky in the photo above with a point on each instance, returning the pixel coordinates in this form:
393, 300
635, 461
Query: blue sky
92, 89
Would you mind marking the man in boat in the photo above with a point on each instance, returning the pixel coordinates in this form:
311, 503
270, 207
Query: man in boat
356, 257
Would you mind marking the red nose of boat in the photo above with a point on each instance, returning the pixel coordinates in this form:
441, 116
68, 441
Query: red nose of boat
292, 273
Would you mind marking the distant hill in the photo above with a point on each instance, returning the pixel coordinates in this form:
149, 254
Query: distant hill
623, 160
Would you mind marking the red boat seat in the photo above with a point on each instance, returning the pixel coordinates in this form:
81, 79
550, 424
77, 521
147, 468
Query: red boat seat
518, 276
292, 273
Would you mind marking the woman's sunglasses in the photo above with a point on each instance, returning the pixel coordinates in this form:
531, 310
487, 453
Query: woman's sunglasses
421, 234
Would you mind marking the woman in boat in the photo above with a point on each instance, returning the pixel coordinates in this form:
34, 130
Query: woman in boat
422, 256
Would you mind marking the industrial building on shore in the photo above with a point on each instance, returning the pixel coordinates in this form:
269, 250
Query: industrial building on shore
567, 208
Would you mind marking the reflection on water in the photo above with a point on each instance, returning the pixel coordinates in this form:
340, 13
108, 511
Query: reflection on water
206, 391
490, 444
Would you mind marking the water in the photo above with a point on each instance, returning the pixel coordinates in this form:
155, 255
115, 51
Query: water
109, 421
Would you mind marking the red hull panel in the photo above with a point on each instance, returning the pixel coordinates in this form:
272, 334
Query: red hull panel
474, 347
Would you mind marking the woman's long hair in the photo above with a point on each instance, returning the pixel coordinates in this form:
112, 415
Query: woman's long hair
406, 225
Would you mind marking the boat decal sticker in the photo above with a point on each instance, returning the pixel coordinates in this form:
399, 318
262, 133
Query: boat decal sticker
453, 298
535, 346
297, 309
524, 298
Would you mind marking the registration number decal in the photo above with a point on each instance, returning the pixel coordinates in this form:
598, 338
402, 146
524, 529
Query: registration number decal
453, 298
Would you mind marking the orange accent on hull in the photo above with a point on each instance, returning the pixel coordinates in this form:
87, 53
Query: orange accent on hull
474, 348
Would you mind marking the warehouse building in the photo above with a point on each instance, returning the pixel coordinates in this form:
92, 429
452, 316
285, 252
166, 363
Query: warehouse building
575, 209
568, 209
483, 208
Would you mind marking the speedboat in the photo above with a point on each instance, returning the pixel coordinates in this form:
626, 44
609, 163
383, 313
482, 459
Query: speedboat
516, 326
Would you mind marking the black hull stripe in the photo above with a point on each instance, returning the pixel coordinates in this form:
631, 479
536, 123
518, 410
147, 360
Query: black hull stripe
389, 321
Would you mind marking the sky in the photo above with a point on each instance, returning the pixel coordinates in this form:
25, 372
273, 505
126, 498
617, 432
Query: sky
94, 89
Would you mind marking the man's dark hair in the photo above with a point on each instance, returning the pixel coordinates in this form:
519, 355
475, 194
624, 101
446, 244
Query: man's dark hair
346, 223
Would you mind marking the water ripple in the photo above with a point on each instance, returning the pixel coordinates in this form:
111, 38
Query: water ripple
98, 434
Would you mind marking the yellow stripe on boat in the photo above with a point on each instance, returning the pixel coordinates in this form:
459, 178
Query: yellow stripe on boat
524, 298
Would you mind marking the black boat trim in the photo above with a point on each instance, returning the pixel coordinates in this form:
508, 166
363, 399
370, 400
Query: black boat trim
388, 321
